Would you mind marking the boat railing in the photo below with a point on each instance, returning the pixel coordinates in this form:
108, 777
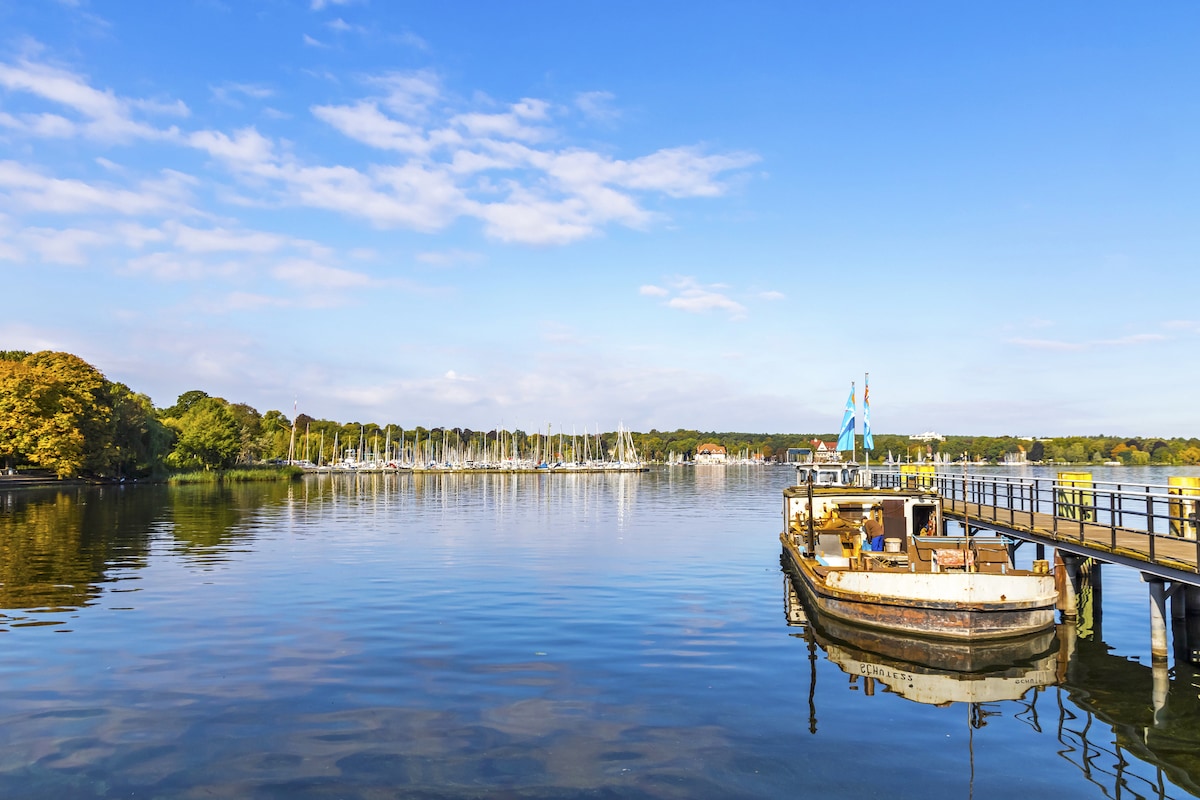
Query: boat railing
1073, 508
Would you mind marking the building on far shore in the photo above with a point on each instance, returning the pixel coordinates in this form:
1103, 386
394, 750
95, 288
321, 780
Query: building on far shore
710, 453
824, 451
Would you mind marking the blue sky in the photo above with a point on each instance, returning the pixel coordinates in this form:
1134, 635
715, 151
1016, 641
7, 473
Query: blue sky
669, 214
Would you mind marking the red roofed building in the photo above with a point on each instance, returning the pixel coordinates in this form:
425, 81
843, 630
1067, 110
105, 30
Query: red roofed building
709, 453
824, 451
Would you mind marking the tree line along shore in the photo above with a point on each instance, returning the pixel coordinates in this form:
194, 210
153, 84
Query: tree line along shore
60, 415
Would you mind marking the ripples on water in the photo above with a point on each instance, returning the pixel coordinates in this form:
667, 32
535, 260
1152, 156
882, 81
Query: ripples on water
472, 636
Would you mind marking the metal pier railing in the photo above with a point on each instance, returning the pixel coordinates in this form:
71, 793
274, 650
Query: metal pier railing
1144, 522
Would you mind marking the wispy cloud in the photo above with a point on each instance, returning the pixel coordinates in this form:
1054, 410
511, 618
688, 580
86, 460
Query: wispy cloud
597, 106
311, 274
96, 113
449, 258
1067, 346
233, 93
686, 294
495, 166
499, 164
1186, 325
31, 189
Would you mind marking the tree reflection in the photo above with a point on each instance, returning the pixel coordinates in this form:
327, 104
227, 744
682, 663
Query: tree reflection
57, 547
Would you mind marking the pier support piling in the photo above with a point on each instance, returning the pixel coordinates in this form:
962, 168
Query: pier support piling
1066, 580
1158, 618
1178, 602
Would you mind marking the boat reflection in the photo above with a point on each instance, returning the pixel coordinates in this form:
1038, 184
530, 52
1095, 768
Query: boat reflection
1129, 728
930, 671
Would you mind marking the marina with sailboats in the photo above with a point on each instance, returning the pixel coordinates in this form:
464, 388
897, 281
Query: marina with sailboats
504, 452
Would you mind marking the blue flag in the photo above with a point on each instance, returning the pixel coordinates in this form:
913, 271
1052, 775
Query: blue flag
868, 439
846, 437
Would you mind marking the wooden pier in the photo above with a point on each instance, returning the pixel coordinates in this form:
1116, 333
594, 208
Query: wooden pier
1150, 528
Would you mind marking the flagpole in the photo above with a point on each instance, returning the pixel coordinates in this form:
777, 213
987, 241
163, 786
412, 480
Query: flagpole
866, 421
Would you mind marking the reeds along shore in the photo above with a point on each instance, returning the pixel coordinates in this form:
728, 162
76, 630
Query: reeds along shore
245, 475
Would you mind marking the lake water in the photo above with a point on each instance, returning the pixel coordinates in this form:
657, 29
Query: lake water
541, 636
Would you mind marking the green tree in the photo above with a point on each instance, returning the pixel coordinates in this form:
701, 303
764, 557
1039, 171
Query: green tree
54, 413
209, 436
183, 403
139, 439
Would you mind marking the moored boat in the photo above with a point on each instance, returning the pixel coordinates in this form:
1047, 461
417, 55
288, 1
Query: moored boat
880, 558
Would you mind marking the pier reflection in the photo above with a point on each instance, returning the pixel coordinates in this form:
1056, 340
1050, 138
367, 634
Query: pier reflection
1129, 728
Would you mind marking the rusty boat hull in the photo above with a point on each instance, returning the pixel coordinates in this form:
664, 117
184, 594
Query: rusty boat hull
962, 606
930, 584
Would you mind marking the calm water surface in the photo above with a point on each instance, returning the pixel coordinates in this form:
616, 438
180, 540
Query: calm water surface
510, 636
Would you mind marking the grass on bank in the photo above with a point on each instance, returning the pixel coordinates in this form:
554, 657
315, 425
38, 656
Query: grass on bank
240, 475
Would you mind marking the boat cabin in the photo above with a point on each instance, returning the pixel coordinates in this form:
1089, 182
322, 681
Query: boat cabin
828, 474
842, 513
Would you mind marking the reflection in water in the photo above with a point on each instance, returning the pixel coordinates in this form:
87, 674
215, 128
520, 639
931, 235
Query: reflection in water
1128, 728
927, 670
519, 636
1136, 720
58, 547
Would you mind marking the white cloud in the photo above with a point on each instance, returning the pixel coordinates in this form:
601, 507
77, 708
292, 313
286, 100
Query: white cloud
215, 240
230, 93
687, 295
597, 106
410, 39
104, 115
73, 246
409, 94
1065, 346
169, 266
529, 219
249, 301
247, 147
311, 274
449, 258
682, 171
514, 124
32, 190
772, 295
311, 42
367, 124
454, 163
